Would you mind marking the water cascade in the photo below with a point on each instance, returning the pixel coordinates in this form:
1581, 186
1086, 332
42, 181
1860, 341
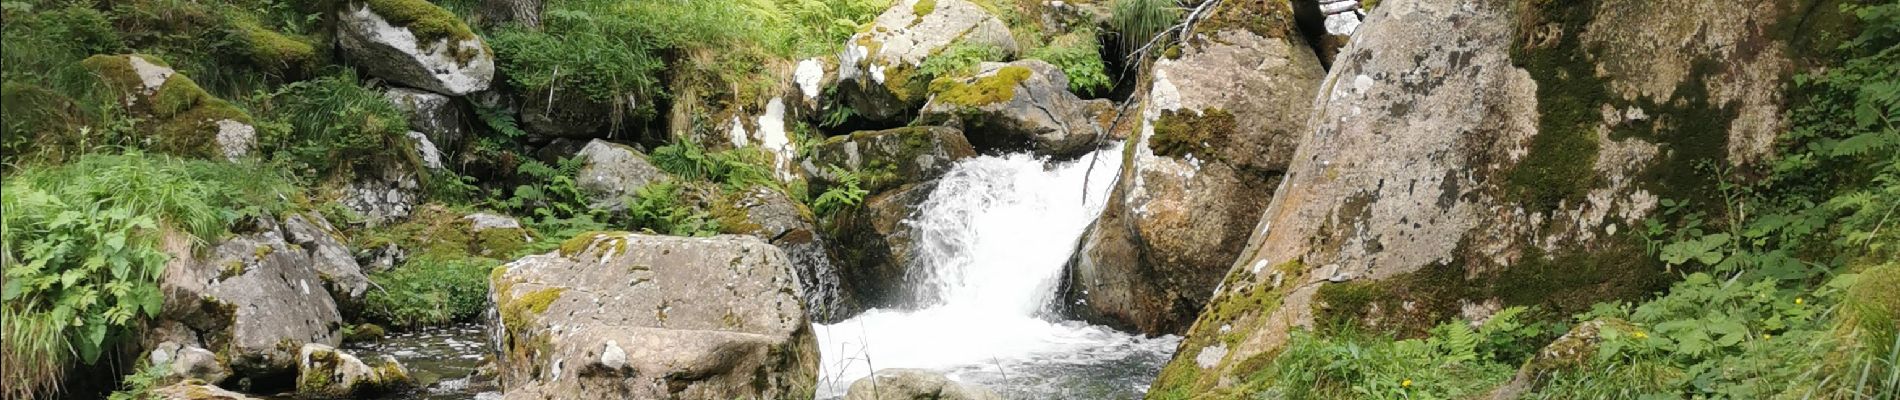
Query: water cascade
991, 242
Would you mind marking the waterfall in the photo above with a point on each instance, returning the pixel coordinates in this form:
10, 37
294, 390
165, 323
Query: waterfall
991, 242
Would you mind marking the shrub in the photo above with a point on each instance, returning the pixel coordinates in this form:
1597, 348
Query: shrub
429, 290
80, 250
336, 123
1079, 56
1136, 22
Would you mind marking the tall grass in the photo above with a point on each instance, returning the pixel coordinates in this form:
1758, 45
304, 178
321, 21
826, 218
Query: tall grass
1137, 22
81, 256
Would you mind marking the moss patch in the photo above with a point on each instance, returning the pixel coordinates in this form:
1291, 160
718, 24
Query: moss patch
277, 52
1562, 157
1236, 312
1267, 19
923, 8
1183, 133
187, 117
999, 87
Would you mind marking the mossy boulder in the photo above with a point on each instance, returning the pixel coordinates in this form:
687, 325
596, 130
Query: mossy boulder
1507, 161
1569, 353
622, 315
1217, 131
1018, 106
327, 373
1872, 307
186, 120
771, 215
877, 72
886, 159
41, 124
329, 256
184, 362
874, 247
416, 44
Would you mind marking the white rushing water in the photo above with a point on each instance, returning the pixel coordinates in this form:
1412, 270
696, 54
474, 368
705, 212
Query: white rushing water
992, 240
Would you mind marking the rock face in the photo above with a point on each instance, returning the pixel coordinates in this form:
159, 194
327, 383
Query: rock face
914, 384
416, 44
185, 362
877, 67
772, 216
313, 235
253, 299
620, 315
612, 171
887, 159
1489, 152
897, 169
1022, 105
1218, 130
325, 372
196, 391
188, 121
384, 196
436, 116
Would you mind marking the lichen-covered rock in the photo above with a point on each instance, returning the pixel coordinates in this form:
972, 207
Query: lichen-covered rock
187, 120
416, 44
254, 299
887, 159
621, 315
1465, 152
611, 172
325, 372
878, 67
1217, 130
323, 243
190, 390
384, 196
436, 116
914, 384
772, 216
186, 362
1019, 106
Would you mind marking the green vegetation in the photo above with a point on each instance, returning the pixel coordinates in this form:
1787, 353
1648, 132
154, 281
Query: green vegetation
1079, 55
1182, 133
959, 60
82, 250
1454, 361
998, 87
1137, 22
335, 124
429, 290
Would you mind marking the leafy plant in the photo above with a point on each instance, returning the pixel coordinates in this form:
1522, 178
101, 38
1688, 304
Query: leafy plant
1079, 56
847, 193
1455, 361
959, 59
429, 290
657, 207
737, 168
551, 192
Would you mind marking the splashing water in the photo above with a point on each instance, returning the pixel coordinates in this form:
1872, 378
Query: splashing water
991, 243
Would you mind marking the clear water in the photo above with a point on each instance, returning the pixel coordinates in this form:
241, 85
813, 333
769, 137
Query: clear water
991, 244
440, 358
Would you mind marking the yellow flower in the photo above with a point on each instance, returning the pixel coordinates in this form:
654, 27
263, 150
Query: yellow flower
1406, 383
1797, 301
1640, 335
1766, 336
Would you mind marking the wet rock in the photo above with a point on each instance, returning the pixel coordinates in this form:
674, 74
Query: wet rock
323, 244
416, 44
614, 171
1019, 106
186, 362
887, 159
914, 384
874, 246
183, 119
191, 390
624, 315
1217, 131
878, 68
253, 298
325, 372
770, 215
436, 116
1492, 160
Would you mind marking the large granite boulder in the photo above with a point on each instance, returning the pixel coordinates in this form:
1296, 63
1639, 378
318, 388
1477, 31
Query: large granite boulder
416, 44
914, 384
325, 372
886, 159
621, 315
254, 299
1218, 128
770, 215
1018, 106
611, 172
185, 120
1476, 152
877, 72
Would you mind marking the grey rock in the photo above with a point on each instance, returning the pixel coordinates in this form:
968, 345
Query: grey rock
611, 172
772, 216
1041, 115
325, 372
187, 362
914, 384
1218, 129
314, 235
196, 391
887, 158
875, 247
451, 66
254, 298
624, 315
384, 196
875, 72
436, 116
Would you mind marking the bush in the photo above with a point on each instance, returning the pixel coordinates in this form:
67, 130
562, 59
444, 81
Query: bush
336, 123
81, 255
1136, 22
429, 290
1079, 56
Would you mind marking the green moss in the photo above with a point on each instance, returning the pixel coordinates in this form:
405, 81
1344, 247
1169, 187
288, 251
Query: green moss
364, 333
186, 116
499, 241
1237, 311
427, 21
232, 268
923, 8
41, 124
999, 87
1182, 133
277, 52
1271, 19
1693, 136
1559, 165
